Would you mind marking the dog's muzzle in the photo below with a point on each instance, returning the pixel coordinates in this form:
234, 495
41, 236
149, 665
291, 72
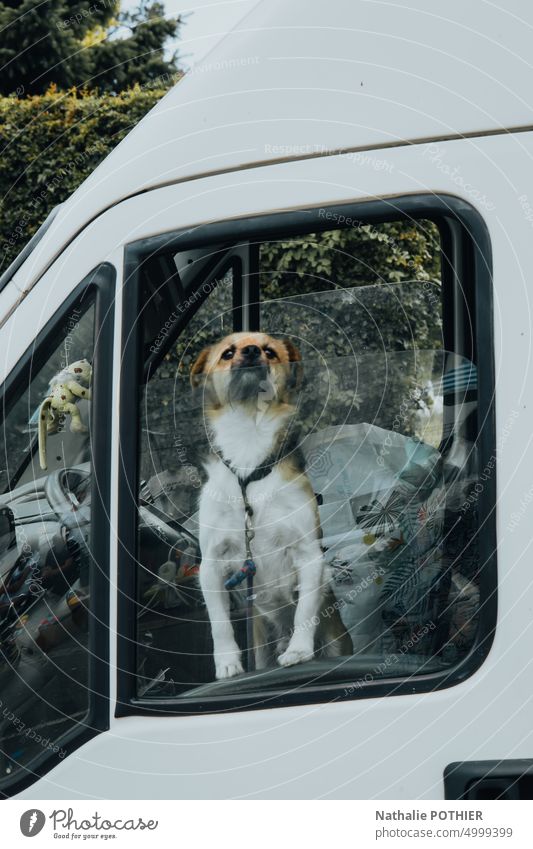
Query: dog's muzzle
247, 377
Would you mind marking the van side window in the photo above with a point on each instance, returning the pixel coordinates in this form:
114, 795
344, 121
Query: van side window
387, 424
46, 555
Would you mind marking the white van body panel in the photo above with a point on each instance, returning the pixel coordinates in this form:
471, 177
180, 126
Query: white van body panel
453, 167
393, 747
291, 81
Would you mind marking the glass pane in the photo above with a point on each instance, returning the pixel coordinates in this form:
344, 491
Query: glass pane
383, 420
44, 550
174, 650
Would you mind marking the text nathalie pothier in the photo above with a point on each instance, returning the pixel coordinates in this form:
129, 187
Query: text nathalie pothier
455, 816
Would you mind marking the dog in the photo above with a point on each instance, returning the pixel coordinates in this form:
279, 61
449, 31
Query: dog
248, 382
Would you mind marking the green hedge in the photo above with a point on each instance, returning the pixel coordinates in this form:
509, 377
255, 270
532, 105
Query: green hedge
49, 144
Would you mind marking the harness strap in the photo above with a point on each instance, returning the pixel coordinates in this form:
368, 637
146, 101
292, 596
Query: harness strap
248, 569
256, 475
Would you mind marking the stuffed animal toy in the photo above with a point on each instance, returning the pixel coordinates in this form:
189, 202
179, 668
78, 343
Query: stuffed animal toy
65, 389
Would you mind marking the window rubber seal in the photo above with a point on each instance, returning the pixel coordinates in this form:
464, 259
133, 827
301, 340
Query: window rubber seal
444, 210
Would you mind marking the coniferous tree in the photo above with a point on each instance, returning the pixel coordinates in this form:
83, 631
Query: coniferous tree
82, 43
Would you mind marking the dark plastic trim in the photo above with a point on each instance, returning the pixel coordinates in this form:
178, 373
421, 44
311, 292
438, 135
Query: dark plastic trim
131, 375
101, 282
215, 273
457, 220
461, 777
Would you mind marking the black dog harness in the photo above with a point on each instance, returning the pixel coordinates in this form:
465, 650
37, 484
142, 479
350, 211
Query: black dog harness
248, 569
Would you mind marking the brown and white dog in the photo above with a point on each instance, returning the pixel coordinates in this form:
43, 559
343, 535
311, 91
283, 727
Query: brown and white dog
248, 381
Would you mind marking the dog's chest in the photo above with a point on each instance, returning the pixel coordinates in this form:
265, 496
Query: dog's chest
282, 521
246, 440
272, 501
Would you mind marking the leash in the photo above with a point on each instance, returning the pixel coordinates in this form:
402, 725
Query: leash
246, 572
249, 569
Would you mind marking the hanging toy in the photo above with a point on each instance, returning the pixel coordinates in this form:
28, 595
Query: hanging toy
65, 389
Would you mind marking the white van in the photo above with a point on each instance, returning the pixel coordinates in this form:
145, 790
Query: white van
356, 175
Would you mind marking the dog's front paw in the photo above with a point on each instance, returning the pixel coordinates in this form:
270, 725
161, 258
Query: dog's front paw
227, 666
296, 654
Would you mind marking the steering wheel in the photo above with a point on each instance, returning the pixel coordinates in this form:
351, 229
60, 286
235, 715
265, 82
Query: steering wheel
60, 489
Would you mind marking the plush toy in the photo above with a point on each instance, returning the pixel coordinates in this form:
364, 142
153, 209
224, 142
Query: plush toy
65, 388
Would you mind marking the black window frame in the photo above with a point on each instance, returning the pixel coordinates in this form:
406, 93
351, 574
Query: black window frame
465, 237
101, 281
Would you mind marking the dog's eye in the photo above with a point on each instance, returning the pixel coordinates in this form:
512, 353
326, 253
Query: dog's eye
228, 355
270, 354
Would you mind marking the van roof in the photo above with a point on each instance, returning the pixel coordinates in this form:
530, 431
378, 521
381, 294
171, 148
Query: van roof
302, 78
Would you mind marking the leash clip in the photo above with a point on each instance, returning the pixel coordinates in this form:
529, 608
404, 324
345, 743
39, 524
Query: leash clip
249, 532
247, 570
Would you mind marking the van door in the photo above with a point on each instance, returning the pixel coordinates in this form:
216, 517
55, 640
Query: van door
54, 550
382, 276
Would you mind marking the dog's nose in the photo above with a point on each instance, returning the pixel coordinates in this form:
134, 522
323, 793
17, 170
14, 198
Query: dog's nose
251, 352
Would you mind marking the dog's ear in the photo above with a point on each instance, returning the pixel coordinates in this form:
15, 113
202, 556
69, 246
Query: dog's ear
296, 368
198, 367
293, 352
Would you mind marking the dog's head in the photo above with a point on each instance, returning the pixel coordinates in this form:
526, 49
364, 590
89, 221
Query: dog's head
248, 368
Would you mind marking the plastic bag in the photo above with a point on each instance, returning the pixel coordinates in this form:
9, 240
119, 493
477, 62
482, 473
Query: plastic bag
382, 515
